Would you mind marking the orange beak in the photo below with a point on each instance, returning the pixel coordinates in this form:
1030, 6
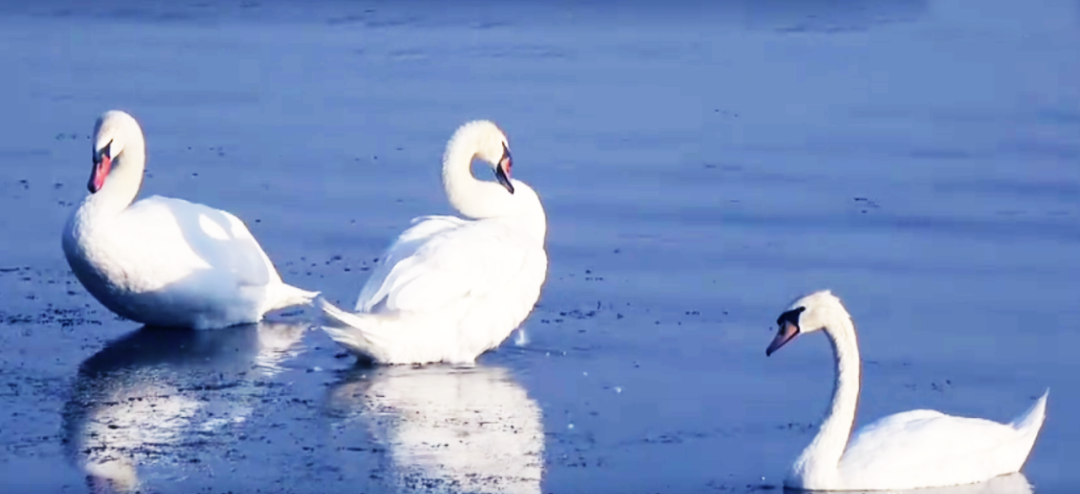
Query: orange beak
502, 170
787, 332
101, 170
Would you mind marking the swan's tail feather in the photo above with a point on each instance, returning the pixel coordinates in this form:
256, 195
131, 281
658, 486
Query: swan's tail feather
282, 296
357, 332
1031, 421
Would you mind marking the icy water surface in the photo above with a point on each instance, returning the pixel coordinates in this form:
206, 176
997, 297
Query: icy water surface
701, 166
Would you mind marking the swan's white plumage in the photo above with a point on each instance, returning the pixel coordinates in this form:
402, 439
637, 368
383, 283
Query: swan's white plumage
924, 448
164, 261
909, 450
447, 259
407, 245
449, 289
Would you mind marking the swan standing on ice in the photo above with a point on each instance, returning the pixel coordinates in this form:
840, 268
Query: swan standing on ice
449, 289
163, 261
909, 450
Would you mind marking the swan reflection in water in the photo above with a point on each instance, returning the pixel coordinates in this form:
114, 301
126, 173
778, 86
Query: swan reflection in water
159, 397
1015, 483
449, 429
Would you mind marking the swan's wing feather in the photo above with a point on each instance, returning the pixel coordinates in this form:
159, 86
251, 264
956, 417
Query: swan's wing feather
405, 246
186, 235
454, 262
926, 441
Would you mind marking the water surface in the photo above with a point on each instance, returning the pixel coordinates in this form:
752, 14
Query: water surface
701, 166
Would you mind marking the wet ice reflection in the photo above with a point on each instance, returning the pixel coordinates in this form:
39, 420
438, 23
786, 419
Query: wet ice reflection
447, 429
166, 397
1006, 484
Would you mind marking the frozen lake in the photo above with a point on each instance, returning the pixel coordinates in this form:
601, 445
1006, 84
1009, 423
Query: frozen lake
701, 166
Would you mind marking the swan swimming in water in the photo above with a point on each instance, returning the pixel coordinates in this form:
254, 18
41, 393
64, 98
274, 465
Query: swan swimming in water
449, 289
163, 261
909, 450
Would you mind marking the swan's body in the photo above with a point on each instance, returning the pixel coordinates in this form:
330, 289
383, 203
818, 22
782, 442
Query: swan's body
909, 450
449, 289
162, 261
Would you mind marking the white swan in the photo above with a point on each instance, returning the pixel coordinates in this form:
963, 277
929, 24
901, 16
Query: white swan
454, 429
163, 261
449, 289
909, 450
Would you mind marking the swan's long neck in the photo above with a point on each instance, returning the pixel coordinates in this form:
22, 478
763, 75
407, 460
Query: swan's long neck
122, 184
824, 452
471, 197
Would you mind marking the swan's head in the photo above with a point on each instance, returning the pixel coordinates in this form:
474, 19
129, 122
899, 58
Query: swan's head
491, 146
811, 313
113, 132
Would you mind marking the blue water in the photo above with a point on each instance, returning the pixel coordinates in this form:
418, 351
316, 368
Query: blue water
701, 166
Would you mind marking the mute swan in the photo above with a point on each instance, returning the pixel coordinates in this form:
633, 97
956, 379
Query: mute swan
449, 289
909, 450
162, 261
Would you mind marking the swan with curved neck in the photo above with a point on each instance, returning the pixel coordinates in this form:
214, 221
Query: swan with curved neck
505, 198
163, 261
909, 450
449, 289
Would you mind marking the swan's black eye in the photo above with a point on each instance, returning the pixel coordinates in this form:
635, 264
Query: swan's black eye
790, 317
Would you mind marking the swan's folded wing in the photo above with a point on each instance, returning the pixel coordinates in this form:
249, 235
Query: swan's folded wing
923, 441
473, 258
423, 228
183, 235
